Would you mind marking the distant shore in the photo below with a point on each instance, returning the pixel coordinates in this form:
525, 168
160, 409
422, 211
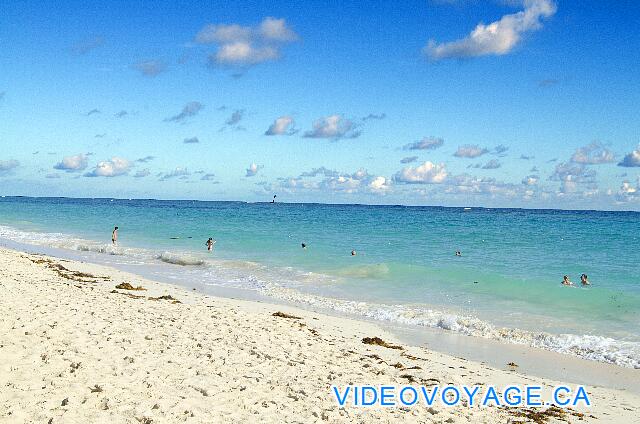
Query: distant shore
77, 349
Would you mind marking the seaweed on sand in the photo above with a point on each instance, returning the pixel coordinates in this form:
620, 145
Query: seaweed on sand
283, 315
379, 342
127, 286
164, 297
132, 296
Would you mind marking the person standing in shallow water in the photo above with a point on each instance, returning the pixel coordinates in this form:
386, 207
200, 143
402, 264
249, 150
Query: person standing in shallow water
114, 236
210, 244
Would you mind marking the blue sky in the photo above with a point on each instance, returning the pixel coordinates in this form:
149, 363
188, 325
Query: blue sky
493, 103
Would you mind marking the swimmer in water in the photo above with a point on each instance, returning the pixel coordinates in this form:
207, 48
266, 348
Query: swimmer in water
458, 253
566, 282
585, 280
304, 246
353, 253
210, 244
114, 236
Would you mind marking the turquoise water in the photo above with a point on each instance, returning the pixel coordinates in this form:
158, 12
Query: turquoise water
506, 284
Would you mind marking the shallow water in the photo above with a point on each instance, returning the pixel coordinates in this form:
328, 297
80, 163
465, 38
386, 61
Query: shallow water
506, 285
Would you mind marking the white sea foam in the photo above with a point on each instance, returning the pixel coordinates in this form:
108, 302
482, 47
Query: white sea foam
288, 284
183, 259
597, 348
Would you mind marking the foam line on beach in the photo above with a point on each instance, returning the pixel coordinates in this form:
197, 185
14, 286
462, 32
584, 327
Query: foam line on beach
286, 284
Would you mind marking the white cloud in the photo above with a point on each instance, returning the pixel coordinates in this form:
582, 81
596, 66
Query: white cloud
332, 181
111, 168
276, 30
427, 143
628, 189
470, 151
427, 173
281, 126
333, 126
324, 171
530, 180
244, 53
223, 33
380, 184
468, 185
573, 176
359, 181
632, 159
72, 163
245, 45
628, 192
253, 169
7, 166
496, 38
593, 154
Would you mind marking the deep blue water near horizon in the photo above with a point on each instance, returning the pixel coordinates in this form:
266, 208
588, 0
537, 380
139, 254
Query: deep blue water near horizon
506, 284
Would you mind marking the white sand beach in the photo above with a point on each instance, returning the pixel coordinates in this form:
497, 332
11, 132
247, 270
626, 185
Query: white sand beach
74, 349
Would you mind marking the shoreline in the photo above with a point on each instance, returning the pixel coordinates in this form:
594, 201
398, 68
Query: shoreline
210, 357
531, 360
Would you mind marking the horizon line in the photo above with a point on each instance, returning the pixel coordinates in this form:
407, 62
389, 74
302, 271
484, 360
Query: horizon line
324, 203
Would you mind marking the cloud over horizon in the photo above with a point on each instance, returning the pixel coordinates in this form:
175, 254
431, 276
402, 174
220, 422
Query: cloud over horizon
179, 172
73, 163
573, 177
427, 173
114, 167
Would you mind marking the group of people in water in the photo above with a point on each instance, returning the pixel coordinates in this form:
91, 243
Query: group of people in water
584, 280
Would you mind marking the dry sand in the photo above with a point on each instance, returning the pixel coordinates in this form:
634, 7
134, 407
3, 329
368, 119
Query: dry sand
73, 349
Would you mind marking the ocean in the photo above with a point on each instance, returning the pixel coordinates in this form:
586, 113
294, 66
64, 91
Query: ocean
505, 286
